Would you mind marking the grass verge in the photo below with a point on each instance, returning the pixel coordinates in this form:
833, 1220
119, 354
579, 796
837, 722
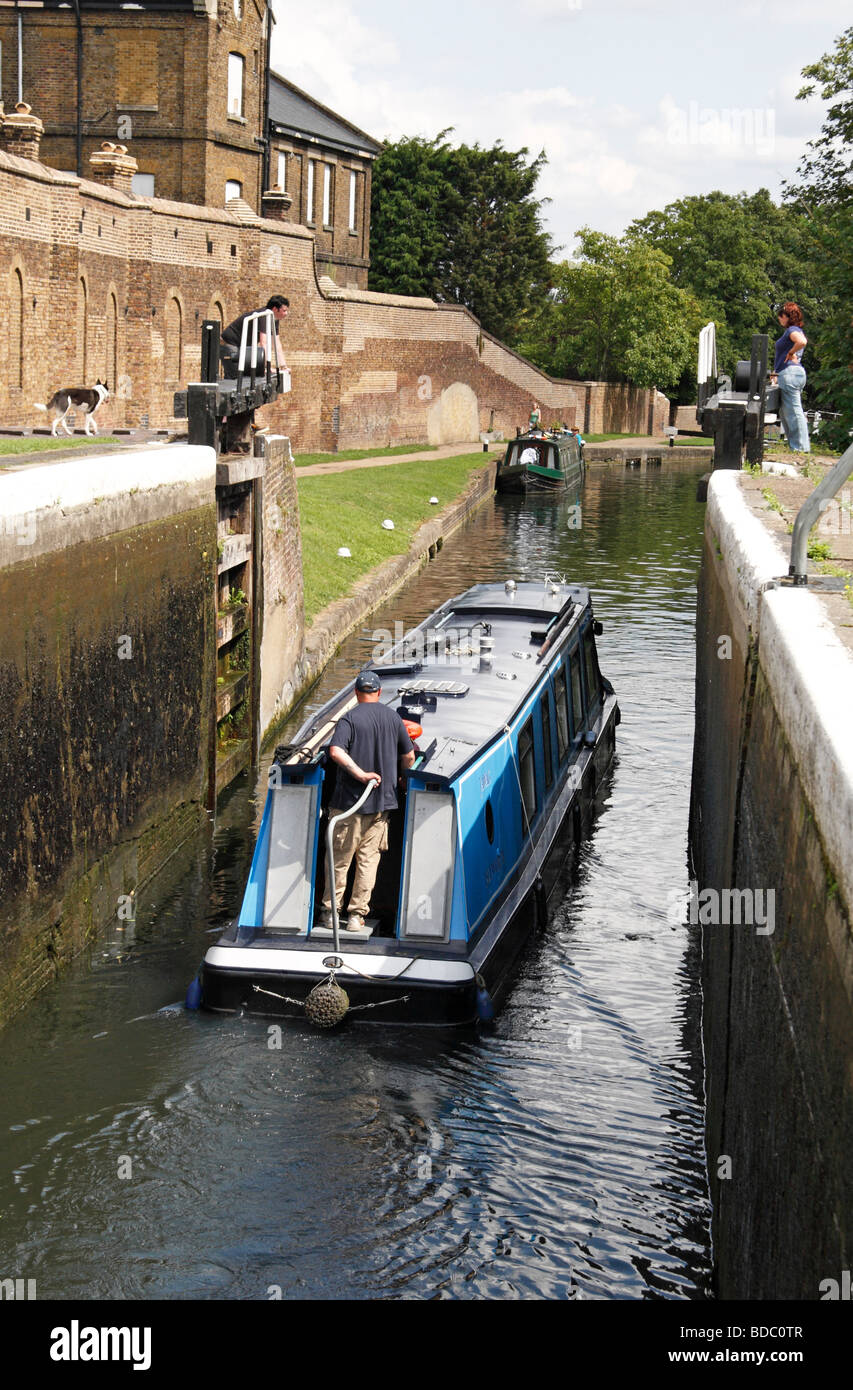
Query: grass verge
347, 509
40, 445
303, 460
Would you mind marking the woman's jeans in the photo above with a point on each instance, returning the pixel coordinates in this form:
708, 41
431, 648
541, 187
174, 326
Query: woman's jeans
791, 382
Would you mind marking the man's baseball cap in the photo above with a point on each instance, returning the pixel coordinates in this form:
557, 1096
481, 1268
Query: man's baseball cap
367, 683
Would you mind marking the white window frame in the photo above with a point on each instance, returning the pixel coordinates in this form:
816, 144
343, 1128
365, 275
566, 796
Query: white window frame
309, 201
327, 195
282, 171
236, 69
353, 196
232, 184
143, 185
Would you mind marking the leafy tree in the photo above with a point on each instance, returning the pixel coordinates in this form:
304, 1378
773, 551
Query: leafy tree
824, 198
826, 170
407, 241
739, 254
461, 224
615, 315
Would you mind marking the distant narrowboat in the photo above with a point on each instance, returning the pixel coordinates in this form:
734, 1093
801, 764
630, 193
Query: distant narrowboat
538, 462
518, 728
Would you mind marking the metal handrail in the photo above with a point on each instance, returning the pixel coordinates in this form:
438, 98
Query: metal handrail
811, 510
251, 320
330, 854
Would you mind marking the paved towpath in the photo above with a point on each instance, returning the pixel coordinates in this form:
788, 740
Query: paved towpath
446, 451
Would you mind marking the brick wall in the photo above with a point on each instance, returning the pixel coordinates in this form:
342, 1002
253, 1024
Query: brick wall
97, 275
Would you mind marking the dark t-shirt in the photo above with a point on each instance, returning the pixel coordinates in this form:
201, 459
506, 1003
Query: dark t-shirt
783, 346
232, 333
375, 737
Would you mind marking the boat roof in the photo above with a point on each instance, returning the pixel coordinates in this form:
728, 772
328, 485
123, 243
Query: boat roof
437, 667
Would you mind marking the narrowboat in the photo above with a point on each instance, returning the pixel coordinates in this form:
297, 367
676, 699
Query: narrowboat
516, 730
537, 462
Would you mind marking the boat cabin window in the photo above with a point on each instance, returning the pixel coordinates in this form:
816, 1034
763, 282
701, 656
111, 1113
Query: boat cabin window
532, 451
545, 710
527, 775
577, 694
593, 678
490, 822
561, 703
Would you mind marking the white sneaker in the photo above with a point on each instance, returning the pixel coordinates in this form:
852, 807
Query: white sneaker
324, 918
356, 923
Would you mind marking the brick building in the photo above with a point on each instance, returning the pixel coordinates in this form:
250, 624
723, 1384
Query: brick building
180, 81
322, 164
185, 84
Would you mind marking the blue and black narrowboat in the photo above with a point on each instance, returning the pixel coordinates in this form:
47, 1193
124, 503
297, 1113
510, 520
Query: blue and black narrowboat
518, 729
538, 462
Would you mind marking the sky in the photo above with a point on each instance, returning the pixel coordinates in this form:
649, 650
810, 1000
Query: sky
635, 102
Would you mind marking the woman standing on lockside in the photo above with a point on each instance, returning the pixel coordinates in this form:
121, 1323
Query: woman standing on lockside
791, 377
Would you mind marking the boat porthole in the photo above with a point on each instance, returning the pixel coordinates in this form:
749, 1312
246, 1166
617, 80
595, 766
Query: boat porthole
490, 821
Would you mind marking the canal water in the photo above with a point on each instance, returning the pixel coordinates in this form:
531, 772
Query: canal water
150, 1153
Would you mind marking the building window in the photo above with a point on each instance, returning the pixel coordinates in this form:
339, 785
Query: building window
16, 330
143, 184
233, 189
353, 189
327, 195
310, 200
83, 331
235, 84
282, 171
174, 340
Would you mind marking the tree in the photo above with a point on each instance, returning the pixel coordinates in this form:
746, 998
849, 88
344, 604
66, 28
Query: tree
824, 198
615, 315
461, 224
739, 254
826, 170
407, 241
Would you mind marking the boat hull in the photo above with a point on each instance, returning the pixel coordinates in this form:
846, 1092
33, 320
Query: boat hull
437, 1003
523, 478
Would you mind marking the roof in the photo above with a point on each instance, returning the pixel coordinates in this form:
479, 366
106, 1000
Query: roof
296, 113
473, 702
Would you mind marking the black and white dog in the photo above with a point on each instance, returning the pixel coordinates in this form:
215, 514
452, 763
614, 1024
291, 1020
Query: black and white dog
74, 398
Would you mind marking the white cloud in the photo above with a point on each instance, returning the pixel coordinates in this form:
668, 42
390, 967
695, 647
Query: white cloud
604, 98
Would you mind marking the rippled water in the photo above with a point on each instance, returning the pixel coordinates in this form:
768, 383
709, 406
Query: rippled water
558, 1154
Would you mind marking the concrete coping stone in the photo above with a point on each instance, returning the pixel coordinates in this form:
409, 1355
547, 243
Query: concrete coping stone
808, 669
750, 554
51, 507
809, 673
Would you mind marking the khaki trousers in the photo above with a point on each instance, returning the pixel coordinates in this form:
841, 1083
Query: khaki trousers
365, 837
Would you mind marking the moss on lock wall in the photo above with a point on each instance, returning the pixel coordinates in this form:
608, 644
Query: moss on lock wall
106, 681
